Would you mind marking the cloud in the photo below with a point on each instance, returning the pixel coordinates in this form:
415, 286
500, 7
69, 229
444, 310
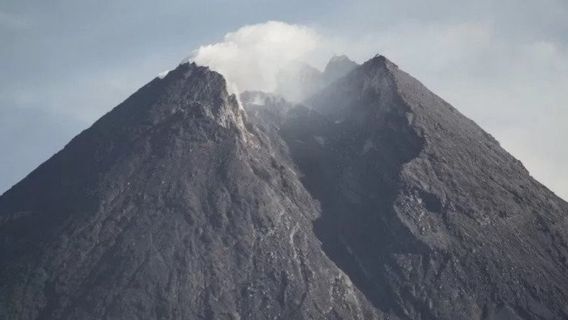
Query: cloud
252, 56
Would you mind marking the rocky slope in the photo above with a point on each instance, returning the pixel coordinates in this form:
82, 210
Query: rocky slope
375, 199
424, 211
168, 208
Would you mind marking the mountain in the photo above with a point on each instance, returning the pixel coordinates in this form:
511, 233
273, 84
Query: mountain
372, 199
423, 210
168, 208
337, 67
298, 81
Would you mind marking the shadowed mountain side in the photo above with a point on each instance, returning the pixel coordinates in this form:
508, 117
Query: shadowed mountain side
423, 210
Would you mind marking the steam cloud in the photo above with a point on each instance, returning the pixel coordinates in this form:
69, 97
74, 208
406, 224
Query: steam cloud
251, 57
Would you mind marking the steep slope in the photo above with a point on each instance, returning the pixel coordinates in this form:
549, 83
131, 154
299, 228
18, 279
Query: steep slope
171, 206
337, 67
423, 210
376, 199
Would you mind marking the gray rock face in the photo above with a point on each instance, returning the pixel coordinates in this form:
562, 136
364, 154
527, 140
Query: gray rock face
423, 210
168, 208
373, 200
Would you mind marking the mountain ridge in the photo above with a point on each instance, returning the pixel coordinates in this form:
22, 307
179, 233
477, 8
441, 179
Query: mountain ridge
373, 199
192, 218
436, 218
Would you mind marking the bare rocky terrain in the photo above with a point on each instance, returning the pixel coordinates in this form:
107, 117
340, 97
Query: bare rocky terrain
372, 199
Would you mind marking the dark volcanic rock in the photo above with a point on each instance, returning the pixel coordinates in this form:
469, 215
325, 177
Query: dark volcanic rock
424, 211
375, 200
168, 208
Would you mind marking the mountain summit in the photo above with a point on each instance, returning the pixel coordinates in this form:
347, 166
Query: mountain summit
372, 199
299, 81
168, 208
337, 67
424, 211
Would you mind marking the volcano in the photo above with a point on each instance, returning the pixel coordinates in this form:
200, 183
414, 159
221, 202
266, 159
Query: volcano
371, 199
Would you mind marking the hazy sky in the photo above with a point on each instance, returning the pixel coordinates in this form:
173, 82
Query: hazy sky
64, 63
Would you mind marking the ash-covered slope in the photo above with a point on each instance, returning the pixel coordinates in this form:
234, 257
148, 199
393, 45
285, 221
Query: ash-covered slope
424, 211
377, 200
169, 207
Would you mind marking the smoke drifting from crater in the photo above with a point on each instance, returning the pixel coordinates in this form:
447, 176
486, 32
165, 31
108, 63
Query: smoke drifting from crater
252, 57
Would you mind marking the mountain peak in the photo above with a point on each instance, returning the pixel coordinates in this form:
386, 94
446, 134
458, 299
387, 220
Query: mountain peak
339, 58
198, 89
297, 80
161, 211
337, 67
379, 201
380, 61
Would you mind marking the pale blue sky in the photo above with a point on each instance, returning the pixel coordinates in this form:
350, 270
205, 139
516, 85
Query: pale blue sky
504, 63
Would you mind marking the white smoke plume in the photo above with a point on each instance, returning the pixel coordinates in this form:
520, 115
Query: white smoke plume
251, 57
